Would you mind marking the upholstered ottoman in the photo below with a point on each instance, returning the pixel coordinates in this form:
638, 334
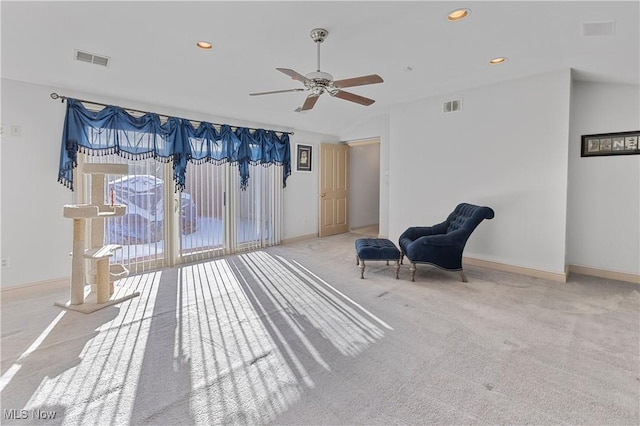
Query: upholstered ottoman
376, 249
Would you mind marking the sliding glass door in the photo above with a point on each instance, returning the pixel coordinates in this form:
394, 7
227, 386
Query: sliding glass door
212, 216
203, 212
142, 231
257, 211
229, 219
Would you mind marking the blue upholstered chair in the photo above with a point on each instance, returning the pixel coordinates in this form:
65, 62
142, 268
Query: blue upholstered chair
441, 245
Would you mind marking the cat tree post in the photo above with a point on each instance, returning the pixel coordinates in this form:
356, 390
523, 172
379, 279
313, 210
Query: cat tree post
77, 263
103, 292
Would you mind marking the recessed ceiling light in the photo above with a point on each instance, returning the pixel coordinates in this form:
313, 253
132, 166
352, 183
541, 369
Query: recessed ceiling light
499, 60
204, 45
458, 14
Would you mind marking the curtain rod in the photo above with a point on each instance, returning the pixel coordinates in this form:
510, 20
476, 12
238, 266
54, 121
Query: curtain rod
55, 96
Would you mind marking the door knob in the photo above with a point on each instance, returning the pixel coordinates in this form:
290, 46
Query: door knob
323, 194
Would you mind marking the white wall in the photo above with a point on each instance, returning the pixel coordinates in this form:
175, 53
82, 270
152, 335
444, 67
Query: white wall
603, 224
506, 149
364, 185
34, 235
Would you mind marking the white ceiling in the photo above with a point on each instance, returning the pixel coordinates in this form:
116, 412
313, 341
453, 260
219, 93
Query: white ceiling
154, 59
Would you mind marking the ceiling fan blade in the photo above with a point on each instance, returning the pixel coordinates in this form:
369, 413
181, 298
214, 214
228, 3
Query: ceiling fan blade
277, 91
358, 81
347, 96
308, 103
294, 75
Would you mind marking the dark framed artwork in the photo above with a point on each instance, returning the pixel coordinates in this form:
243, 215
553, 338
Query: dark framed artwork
603, 144
303, 158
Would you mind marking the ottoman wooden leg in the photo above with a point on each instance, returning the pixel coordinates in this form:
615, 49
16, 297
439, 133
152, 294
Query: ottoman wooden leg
357, 259
362, 269
397, 268
463, 277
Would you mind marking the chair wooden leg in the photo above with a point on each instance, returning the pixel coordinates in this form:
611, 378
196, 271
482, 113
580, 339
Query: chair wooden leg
463, 277
397, 267
357, 259
412, 269
401, 258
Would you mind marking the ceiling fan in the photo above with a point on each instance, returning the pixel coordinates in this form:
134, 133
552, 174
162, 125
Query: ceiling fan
319, 82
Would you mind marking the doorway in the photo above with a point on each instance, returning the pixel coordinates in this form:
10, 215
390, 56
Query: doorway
364, 182
350, 188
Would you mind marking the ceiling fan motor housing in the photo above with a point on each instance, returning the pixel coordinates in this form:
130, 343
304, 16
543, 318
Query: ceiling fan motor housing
319, 81
319, 76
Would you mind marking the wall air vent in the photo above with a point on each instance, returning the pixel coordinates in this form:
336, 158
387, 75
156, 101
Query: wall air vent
598, 28
91, 58
454, 105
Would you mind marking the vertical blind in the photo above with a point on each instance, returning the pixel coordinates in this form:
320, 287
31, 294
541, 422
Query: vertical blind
141, 231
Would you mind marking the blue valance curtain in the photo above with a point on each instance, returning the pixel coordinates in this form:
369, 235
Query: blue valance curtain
114, 131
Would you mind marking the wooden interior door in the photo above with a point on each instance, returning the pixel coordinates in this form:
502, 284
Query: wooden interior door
334, 189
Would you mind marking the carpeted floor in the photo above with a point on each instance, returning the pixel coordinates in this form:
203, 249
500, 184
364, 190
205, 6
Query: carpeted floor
292, 335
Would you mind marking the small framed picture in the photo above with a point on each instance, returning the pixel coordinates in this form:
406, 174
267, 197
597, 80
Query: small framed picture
606, 144
303, 158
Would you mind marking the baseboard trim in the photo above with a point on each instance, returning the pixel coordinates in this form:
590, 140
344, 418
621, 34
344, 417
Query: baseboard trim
355, 228
300, 238
537, 273
19, 291
604, 273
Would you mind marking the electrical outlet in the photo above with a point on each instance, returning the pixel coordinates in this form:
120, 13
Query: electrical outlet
16, 131
5, 262
1, 129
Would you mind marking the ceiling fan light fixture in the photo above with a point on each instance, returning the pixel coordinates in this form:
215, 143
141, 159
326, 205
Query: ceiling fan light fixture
498, 60
204, 45
458, 14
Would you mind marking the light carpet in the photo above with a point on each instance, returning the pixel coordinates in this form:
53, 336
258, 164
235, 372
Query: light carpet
292, 335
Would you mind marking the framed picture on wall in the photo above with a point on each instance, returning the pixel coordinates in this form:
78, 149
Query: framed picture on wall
303, 158
605, 144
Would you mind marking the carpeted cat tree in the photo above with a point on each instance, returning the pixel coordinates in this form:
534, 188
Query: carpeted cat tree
101, 274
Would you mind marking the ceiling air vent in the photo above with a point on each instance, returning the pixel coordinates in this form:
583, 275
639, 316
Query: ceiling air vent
598, 28
91, 58
453, 105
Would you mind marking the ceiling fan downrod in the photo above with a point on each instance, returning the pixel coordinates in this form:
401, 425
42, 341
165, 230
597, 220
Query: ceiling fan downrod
318, 35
